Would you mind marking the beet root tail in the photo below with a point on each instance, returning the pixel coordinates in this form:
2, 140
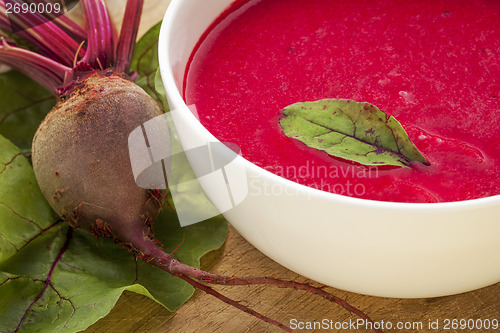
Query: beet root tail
199, 279
232, 302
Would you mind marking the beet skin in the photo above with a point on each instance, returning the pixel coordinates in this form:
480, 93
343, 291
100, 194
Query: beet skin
81, 160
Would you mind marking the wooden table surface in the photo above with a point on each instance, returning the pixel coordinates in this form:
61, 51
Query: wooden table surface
204, 313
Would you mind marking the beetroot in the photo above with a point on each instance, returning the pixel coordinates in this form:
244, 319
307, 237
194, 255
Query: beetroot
80, 158
80, 151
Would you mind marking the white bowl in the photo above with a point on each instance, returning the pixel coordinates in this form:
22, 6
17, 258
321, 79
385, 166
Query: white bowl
370, 247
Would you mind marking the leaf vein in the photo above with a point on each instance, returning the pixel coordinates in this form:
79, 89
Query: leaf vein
23, 108
142, 55
63, 299
38, 234
395, 140
347, 135
5, 165
7, 278
22, 217
352, 121
48, 280
13, 245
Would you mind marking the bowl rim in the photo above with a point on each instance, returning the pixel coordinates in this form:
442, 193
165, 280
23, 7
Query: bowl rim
174, 95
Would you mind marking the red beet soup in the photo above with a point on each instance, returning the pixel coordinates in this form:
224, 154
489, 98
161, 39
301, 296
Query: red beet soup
432, 64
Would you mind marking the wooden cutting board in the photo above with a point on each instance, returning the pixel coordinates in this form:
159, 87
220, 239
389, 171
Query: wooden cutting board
204, 313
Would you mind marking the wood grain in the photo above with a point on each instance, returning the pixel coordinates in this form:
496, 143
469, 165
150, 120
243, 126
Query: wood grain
204, 313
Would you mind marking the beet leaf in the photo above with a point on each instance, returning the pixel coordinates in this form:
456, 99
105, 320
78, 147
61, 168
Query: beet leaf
23, 106
54, 278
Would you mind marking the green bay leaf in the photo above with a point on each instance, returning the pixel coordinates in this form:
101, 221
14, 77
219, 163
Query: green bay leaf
351, 130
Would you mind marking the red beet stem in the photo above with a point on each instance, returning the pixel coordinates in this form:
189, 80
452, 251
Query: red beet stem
128, 35
47, 72
65, 23
60, 43
52, 41
100, 48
